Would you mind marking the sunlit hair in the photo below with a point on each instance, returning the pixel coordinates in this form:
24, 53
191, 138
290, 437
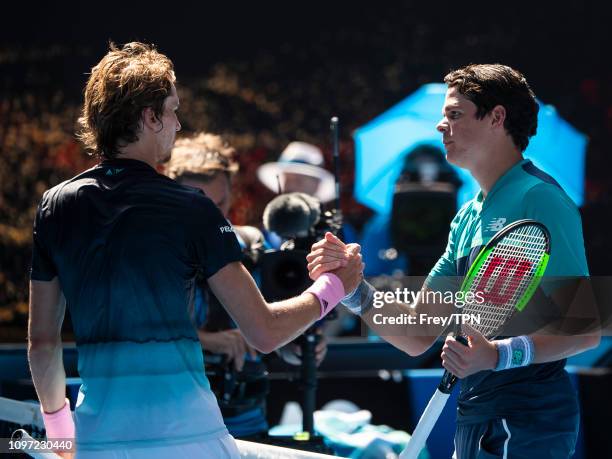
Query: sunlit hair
125, 82
489, 85
201, 157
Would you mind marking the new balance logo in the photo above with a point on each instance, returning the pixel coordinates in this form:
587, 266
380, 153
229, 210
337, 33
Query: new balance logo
496, 224
226, 229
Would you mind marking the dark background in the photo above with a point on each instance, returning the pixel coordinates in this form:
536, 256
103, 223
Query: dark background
266, 73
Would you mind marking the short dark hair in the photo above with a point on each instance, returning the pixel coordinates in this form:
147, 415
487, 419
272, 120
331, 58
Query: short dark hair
125, 82
489, 85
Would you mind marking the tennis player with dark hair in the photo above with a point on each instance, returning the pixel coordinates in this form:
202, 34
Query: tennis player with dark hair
523, 406
121, 246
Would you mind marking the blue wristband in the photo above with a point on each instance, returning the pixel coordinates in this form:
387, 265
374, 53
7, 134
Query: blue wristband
514, 352
359, 301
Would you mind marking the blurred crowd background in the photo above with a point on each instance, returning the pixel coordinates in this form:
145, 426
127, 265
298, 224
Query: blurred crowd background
264, 75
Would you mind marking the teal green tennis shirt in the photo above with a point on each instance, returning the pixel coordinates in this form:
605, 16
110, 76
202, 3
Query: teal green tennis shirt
524, 191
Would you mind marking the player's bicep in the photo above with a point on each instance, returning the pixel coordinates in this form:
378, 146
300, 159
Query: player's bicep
47, 309
443, 274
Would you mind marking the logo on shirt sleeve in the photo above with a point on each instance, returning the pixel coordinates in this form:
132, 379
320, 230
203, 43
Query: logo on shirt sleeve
226, 229
496, 224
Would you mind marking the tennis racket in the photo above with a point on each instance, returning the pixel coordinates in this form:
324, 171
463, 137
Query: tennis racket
507, 272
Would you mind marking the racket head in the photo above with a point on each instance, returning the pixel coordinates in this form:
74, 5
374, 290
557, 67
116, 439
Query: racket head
506, 274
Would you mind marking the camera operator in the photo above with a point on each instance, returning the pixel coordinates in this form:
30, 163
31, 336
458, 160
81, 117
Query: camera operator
205, 161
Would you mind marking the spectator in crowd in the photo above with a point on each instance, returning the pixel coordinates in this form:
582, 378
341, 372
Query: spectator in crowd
299, 168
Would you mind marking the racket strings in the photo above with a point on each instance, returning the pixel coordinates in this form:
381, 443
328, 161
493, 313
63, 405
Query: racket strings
505, 276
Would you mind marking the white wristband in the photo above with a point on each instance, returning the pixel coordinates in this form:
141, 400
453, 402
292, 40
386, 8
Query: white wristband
515, 352
359, 301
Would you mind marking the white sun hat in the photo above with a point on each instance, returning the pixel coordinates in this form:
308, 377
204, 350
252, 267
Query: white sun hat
300, 158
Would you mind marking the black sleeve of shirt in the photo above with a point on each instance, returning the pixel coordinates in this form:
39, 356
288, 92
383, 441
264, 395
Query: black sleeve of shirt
213, 237
43, 268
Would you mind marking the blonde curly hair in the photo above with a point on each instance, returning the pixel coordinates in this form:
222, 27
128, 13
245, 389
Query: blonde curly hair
201, 156
120, 87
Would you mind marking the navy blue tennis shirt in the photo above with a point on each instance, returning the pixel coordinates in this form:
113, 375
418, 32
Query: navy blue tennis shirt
127, 243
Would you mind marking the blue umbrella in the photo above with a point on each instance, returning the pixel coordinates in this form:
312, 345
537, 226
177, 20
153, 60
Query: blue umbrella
383, 143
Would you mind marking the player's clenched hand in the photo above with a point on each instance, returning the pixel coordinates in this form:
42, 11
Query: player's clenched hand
352, 273
462, 361
328, 254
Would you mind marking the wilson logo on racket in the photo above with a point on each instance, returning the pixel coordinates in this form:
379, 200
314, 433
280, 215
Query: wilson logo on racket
505, 275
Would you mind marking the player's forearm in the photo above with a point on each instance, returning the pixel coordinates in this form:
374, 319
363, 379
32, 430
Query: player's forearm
551, 348
412, 339
399, 323
290, 318
267, 326
47, 307
48, 374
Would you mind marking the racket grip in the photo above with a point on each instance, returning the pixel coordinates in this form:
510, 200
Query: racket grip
449, 380
425, 426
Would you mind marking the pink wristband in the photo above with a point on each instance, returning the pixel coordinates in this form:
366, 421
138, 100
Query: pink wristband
329, 291
59, 424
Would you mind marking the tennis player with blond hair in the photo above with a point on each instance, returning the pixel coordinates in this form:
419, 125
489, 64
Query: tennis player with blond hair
121, 245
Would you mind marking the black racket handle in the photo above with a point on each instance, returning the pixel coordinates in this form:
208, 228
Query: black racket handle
449, 380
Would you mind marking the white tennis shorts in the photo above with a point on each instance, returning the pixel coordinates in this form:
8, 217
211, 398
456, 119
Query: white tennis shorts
221, 448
